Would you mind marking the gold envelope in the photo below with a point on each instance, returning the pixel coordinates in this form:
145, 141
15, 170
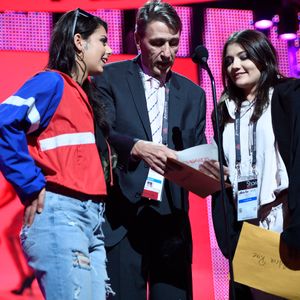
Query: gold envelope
257, 263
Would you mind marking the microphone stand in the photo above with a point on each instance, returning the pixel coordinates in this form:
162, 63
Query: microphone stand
205, 66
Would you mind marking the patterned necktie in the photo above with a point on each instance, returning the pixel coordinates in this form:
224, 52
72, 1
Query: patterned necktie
153, 110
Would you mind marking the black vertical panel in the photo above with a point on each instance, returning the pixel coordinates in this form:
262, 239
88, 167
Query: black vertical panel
56, 17
197, 29
128, 32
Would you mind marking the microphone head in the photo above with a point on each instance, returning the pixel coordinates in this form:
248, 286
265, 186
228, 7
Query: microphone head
200, 55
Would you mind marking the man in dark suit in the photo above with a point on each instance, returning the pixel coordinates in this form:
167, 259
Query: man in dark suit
148, 235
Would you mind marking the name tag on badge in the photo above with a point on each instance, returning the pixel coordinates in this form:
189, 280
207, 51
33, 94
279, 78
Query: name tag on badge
153, 186
247, 202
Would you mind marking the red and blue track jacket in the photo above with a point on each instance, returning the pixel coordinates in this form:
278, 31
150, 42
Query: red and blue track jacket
47, 135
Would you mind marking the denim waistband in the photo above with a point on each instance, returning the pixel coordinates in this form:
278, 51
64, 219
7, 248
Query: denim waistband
58, 189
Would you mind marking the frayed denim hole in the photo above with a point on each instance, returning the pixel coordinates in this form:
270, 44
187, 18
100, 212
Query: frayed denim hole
24, 232
81, 260
26, 242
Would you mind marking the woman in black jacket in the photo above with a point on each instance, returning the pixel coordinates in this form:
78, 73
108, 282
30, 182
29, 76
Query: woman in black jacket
260, 131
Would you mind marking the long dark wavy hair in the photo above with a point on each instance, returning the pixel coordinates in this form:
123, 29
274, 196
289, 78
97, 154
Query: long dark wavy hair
262, 53
63, 52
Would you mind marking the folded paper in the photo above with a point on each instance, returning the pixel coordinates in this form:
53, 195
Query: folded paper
184, 171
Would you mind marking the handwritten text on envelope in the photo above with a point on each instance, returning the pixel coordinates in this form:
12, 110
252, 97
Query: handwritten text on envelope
257, 263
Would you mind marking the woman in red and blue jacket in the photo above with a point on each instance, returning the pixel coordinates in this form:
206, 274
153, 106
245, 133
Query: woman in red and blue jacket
48, 153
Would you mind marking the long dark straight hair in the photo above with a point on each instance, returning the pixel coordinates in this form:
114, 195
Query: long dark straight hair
262, 53
62, 53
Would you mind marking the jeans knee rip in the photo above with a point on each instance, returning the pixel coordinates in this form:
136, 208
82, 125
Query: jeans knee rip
80, 260
77, 291
108, 289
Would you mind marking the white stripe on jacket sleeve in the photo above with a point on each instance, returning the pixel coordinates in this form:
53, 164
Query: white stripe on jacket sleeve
32, 114
68, 139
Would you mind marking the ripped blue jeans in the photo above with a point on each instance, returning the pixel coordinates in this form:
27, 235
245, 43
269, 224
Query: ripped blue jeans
65, 247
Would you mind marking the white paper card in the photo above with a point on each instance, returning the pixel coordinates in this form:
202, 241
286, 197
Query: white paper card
195, 156
153, 186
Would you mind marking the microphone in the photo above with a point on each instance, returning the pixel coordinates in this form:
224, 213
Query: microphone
200, 57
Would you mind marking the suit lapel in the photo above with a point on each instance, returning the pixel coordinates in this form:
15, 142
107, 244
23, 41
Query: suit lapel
174, 107
138, 95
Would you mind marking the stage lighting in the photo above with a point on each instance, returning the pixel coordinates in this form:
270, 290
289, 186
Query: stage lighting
263, 14
288, 25
262, 21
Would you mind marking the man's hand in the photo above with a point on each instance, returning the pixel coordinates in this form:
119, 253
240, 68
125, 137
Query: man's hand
36, 206
212, 168
155, 155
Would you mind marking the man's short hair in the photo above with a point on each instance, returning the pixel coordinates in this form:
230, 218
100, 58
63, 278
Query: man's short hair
156, 10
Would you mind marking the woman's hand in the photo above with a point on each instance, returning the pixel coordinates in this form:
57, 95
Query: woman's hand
36, 206
212, 168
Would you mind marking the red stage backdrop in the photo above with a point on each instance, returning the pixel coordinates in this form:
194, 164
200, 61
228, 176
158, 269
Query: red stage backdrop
24, 40
65, 5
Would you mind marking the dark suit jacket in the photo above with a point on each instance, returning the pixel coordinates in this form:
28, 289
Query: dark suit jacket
285, 105
122, 91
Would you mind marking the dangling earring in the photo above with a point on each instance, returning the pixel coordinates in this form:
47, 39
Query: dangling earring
138, 48
80, 57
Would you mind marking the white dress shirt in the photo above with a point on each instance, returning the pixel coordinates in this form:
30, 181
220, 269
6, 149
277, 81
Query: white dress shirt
153, 85
271, 172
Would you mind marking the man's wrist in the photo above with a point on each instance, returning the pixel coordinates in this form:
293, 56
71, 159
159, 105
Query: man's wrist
134, 155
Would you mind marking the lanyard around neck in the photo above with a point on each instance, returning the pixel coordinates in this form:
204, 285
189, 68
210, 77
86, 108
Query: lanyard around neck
165, 123
237, 135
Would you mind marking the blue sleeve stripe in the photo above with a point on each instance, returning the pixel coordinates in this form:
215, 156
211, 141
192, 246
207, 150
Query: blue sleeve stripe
32, 113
